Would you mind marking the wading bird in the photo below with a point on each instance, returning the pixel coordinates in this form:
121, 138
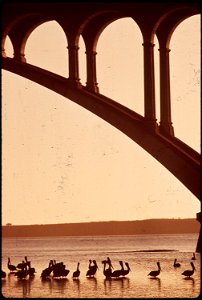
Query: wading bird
47, 272
31, 270
3, 274
92, 269
59, 270
118, 273
107, 272
193, 257
188, 273
156, 272
76, 273
22, 274
12, 268
176, 264
125, 272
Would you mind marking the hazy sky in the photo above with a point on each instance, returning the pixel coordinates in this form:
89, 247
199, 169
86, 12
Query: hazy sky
61, 163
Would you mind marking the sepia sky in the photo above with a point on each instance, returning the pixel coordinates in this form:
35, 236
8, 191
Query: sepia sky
62, 164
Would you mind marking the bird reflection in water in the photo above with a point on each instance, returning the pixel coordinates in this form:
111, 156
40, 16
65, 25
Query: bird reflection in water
76, 282
60, 284
156, 279
92, 282
119, 284
25, 284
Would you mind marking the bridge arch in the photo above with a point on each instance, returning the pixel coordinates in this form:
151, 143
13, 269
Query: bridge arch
144, 130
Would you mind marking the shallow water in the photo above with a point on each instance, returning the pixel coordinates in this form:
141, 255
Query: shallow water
140, 251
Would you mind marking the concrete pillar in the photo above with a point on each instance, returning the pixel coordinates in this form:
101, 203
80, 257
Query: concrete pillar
165, 104
18, 53
198, 246
149, 85
91, 83
74, 65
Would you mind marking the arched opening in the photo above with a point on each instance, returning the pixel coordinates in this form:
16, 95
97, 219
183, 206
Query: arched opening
8, 47
51, 53
82, 61
185, 81
120, 64
157, 78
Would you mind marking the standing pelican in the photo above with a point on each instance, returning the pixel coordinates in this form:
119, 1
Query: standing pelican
118, 273
156, 272
107, 272
125, 272
109, 262
22, 274
31, 270
189, 273
92, 269
12, 268
77, 272
3, 274
193, 257
176, 264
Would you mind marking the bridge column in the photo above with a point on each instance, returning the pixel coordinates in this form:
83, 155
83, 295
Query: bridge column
149, 86
18, 52
198, 246
73, 65
165, 105
91, 83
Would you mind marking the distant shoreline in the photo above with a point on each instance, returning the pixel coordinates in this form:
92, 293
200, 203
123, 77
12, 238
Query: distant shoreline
150, 226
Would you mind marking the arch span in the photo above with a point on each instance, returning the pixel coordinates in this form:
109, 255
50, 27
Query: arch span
181, 160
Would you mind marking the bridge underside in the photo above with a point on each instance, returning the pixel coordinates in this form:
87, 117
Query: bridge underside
89, 20
181, 160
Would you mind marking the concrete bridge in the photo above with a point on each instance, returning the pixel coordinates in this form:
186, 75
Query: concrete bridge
89, 20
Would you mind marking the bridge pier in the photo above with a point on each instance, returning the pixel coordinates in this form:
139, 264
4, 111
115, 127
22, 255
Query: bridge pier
198, 246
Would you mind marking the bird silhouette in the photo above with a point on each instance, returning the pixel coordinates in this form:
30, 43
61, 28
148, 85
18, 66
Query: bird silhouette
23, 273
107, 272
118, 273
21, 265
31, 270
193, 257
125, 272
188, 273
176, 264
3, 274
12, 268
47, 272
109, 262
76, 273
92, 268
156, 272
59, 270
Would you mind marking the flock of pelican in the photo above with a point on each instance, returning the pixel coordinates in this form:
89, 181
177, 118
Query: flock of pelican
58, 270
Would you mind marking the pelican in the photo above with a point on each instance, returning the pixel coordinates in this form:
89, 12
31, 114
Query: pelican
59, 270
176, 264
189, 273
21, 265
31, 271
107, 272
109, 262
3, 274
22, 274
12, 268
46, 272
118, 273
193, 257
92, 269
125, 272
77, 272
156, 272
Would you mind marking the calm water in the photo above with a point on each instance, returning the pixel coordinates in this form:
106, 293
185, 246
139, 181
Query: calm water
70, 250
